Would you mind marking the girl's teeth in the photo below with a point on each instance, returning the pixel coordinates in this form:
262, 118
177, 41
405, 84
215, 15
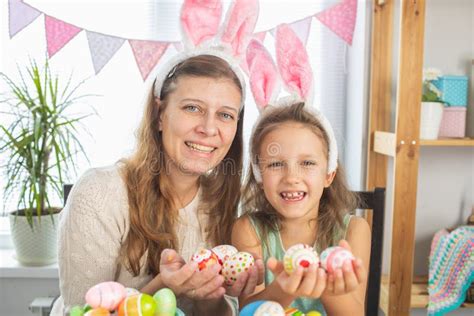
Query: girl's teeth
292, 195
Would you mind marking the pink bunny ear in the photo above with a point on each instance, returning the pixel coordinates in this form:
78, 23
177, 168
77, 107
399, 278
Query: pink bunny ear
241, 23
263, 76
200, 19
293, 62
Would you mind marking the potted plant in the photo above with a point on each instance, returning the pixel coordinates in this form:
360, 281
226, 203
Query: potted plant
431, 105
39, 142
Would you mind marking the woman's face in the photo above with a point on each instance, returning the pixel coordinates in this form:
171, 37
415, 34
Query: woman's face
199, 123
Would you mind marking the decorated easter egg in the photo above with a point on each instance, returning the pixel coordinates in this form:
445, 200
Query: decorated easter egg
137, 305
334, 257
106, 294
299, 255
99, 311
223, 252
270, 308
129, 291
179, 312
205, 258
249, 310
291, 311
236, 264
313, 313
76, 311
165, 302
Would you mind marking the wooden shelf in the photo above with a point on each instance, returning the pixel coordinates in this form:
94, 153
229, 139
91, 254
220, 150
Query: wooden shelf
460, 142
419, 294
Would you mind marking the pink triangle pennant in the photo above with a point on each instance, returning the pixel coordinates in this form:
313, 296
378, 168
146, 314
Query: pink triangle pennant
20, 16
58, 34
301, 28
147, 54
341, 19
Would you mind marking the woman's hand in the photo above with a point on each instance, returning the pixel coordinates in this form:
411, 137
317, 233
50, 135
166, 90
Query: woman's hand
348, 278
185, 279
309, 282
248, 280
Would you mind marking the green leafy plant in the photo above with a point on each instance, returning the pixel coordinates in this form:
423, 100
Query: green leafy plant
40, 140
430, 92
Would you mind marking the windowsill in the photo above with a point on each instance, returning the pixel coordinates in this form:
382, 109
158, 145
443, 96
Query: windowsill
11, 268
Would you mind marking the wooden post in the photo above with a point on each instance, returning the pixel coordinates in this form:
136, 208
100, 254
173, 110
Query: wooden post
380, 89
405, 172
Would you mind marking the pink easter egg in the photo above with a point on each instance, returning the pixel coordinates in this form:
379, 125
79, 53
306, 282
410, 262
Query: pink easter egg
334, 257
236, 264
223, 252
299, 255
205, 258
106, 294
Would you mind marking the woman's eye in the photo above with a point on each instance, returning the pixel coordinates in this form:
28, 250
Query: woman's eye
227, 116
191, 108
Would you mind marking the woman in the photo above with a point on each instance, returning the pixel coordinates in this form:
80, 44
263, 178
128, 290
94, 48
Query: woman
138, 222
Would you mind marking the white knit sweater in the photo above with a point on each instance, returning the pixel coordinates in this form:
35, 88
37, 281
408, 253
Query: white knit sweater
94, 224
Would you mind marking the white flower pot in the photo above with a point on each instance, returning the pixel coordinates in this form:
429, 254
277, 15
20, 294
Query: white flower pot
430, 119
37, 246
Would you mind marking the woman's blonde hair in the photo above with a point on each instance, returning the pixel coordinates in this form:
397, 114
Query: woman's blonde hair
336, 200
152, 213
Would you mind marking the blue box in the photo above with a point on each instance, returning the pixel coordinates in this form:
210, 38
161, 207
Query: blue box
453, 89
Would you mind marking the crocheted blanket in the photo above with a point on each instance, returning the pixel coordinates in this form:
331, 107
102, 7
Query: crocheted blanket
451, 269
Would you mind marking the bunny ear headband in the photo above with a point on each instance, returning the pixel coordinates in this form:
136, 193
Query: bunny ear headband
200, 20
295, 72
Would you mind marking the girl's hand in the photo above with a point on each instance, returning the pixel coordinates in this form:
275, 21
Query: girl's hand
247, 281
309, 282
185, 279
348, 278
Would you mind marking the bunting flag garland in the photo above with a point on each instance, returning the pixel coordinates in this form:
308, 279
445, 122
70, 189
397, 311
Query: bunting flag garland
21, 15
147, 54
103, 48
339, 18
301, 28
58, 33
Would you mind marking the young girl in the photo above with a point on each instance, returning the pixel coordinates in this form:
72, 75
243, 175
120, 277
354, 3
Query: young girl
295, 193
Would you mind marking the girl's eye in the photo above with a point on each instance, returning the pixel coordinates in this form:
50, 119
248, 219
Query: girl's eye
276, 164
227, 116
309, 163
191, 108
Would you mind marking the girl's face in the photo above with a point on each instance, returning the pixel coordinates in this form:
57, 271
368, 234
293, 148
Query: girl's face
199, 123
293, 164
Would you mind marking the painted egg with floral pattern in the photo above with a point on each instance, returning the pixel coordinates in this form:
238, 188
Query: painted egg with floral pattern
223, 252
235, 265
106, 294
205, 258
334, 257
299, 255
270, 308
137, 305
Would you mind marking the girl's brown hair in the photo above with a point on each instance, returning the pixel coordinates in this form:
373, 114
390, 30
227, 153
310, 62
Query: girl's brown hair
336, 200
152, 213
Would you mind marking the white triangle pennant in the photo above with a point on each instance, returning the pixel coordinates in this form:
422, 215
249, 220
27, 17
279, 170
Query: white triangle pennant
302, 28
102, 48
